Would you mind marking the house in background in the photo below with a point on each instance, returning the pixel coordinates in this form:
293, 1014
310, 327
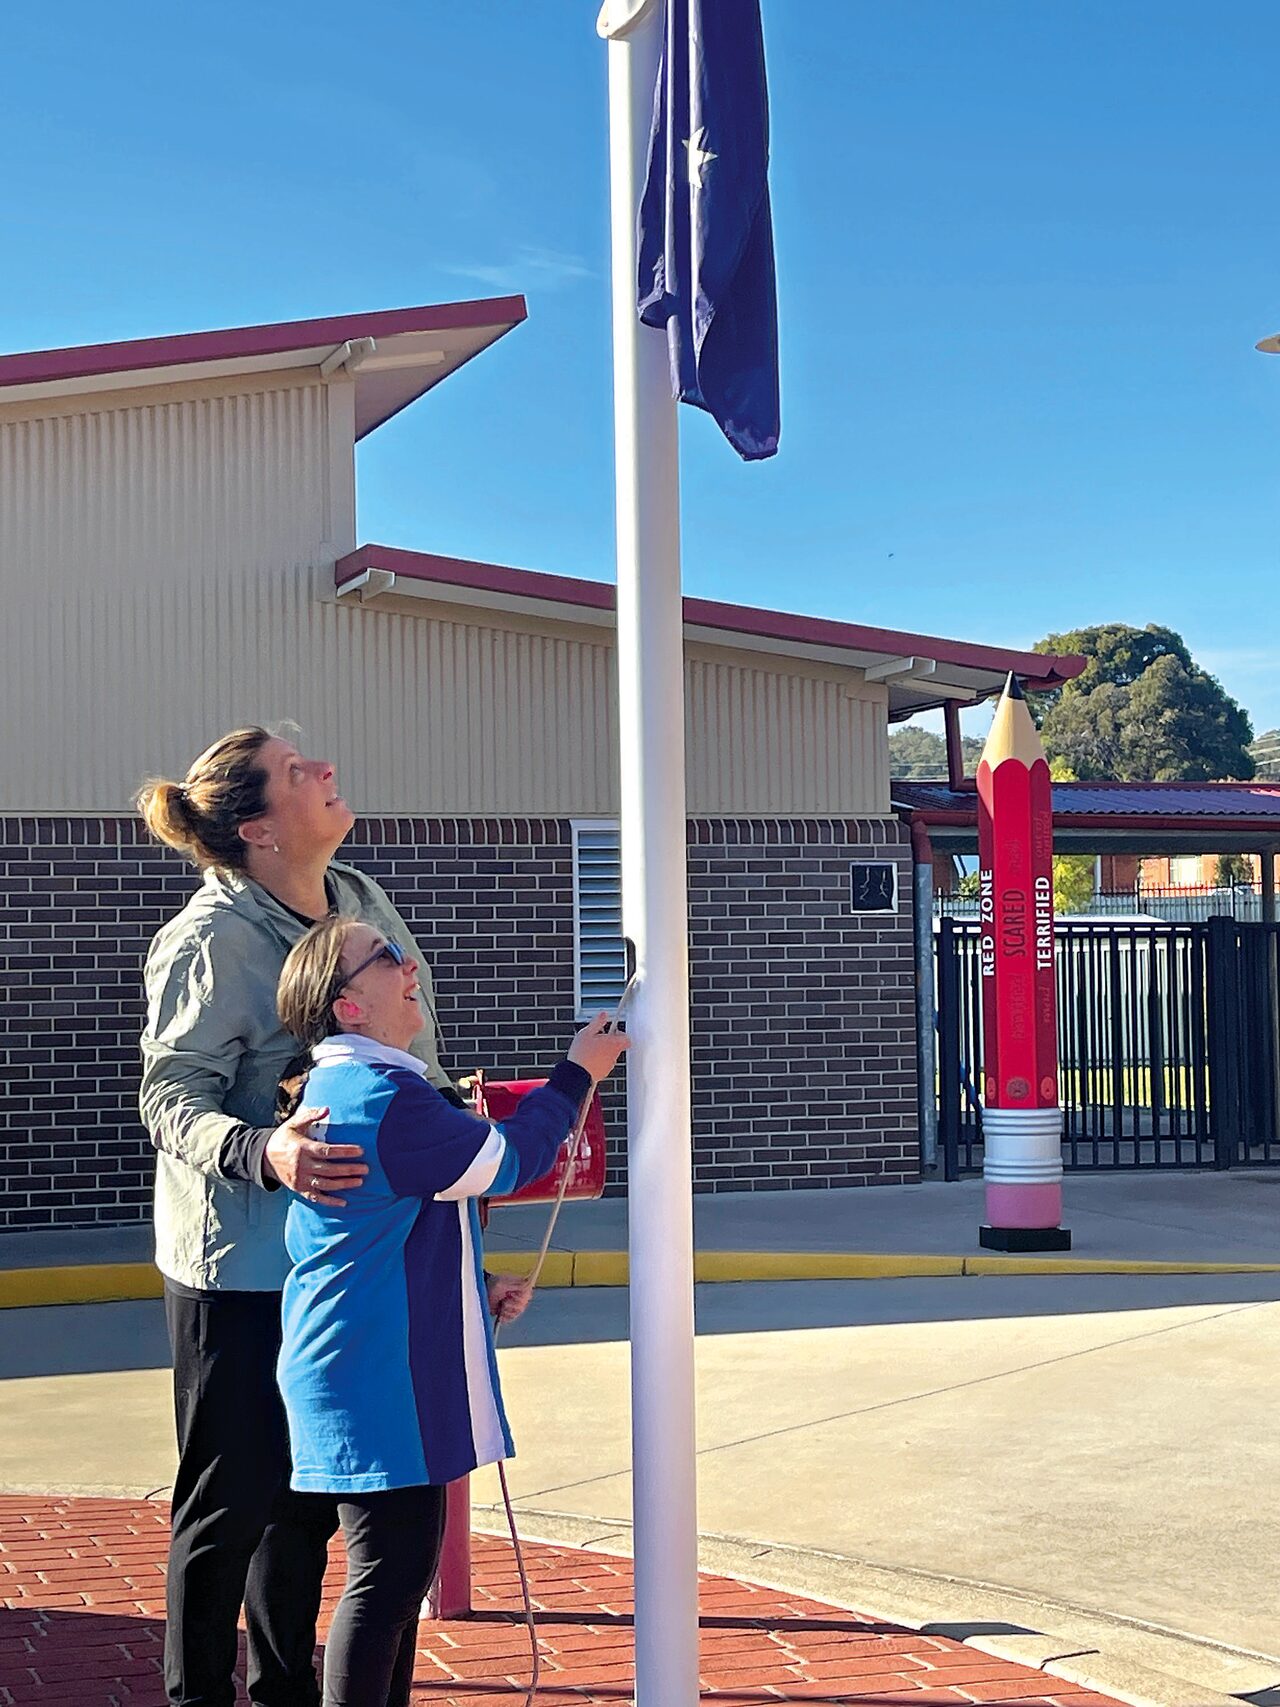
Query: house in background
1202, 871
1266, 756
178, 553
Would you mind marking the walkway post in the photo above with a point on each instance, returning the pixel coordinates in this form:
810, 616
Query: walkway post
926, 1035
450, 1594
655, 908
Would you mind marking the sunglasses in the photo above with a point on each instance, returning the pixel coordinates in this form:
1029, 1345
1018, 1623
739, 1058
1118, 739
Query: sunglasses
391, 952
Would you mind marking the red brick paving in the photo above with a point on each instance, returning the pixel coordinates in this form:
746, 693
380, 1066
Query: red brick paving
82, 1592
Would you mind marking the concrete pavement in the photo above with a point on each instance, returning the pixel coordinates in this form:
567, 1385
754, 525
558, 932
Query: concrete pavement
1120, 1222
1099, 1451
1152, 1217
1101, 1446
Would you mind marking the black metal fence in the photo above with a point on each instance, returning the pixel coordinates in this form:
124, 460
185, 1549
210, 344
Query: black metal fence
1177, 903
1168, 1040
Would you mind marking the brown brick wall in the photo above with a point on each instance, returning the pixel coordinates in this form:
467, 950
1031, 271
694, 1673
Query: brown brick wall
803, 1043
803, 1011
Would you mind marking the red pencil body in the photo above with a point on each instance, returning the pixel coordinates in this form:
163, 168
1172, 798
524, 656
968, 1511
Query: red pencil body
1021, 1122
1015, 856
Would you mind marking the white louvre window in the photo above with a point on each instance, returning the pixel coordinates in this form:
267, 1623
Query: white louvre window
599, 959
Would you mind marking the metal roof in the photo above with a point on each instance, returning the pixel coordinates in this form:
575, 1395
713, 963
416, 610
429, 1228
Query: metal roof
1135, 817
394, 355
919, 671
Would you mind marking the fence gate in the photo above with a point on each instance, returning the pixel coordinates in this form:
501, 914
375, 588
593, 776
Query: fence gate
1168, 1042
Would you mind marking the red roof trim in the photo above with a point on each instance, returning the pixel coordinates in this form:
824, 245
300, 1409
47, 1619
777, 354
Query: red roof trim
1108, 821
1069, 820
1263, 787
484, 577
93, 360
1037, 669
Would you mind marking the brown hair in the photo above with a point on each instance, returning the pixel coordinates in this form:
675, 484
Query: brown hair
201, 817
309, 981
305, 996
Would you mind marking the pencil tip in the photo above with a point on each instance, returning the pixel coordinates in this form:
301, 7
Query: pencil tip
1013, 687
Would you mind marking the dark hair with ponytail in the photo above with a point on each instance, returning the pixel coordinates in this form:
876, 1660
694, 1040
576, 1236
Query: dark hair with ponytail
201, 817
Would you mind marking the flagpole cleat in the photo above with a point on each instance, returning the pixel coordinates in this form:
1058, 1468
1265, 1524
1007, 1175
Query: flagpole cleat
618, 18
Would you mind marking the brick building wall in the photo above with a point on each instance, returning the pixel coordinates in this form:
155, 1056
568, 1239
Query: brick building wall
1187, 871
803, 1011
803, 1042
1118, 873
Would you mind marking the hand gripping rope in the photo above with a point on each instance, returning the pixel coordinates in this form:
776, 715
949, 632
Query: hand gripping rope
571, 1157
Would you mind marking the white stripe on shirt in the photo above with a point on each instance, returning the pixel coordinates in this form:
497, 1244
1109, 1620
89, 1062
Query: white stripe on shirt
481, 1174
486, 1426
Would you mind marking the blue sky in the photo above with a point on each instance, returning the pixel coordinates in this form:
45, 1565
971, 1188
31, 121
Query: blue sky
1024, 253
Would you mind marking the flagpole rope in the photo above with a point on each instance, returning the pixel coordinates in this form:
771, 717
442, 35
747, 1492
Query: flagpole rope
571, 1157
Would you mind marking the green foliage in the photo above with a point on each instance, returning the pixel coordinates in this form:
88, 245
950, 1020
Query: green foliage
1232, 868
969, 886
920, 755
1072, 883
1143, 710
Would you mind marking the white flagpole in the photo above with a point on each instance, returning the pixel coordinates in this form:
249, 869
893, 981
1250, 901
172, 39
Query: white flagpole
655, 909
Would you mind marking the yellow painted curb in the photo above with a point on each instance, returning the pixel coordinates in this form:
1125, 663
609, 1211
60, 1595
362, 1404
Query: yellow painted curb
109, 1283
711, 1266
1108, 1265
557, 1270
79, 1283
599, 1268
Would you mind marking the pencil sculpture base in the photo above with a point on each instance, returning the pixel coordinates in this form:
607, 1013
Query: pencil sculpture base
1022, 1176
1024, 1239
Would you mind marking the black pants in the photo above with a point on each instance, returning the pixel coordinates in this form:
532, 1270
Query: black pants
239, 1534
393, 1546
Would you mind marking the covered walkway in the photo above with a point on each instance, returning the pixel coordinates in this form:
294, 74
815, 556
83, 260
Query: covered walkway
1156, 1021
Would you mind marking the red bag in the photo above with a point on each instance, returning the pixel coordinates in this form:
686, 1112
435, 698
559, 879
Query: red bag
496, 1099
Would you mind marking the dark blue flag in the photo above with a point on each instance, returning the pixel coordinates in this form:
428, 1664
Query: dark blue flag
706, 232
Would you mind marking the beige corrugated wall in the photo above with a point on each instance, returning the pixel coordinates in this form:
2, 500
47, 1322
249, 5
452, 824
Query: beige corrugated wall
166, 572
159, 560
802, 741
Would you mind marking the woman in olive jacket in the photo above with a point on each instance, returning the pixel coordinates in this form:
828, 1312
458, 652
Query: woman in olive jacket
263, 823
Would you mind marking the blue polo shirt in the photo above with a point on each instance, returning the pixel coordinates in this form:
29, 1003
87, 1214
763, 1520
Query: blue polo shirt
387, 1366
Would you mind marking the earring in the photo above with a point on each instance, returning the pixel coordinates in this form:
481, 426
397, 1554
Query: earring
275, 847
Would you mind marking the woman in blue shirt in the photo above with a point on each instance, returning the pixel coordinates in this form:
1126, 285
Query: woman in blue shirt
387, 1366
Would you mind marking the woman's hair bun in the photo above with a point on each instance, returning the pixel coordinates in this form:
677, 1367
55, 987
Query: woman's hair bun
201, 817
167, 815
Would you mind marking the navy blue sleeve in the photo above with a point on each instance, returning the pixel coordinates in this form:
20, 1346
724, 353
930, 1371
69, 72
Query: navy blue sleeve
430, 1149
538, 1127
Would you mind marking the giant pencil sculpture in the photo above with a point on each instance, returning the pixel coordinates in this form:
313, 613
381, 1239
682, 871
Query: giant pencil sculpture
1021, 1117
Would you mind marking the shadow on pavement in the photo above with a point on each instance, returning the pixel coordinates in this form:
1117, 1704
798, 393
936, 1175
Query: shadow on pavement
84, 1656
83, 1339
94, 1339
588, 1316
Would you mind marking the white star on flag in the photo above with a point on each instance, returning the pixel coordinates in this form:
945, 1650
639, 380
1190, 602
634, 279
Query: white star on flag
699, 157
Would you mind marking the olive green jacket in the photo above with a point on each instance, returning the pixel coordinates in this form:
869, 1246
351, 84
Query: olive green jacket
212, 1055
